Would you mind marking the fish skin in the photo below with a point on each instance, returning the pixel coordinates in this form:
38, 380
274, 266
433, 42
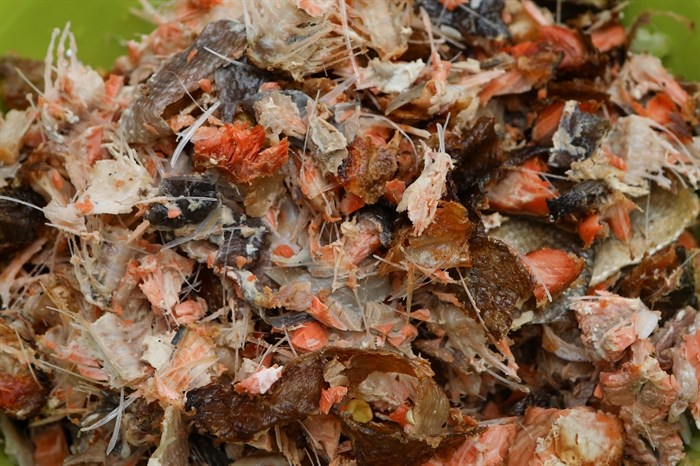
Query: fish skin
142, 121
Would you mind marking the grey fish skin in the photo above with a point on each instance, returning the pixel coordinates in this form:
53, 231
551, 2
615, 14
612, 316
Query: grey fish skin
142, 122
236, 83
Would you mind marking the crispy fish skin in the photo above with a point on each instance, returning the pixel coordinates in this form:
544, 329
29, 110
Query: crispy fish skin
191, 211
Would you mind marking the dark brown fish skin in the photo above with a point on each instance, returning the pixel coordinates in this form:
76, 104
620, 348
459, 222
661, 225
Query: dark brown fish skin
219, 411
235, 244
526, 235
142, 121
211, 289
580, 200
13, 88
379, 444
234, 417
202, 447
583, 90
585, 131
498, 281
383, 217
477, 153
385, 443
571, 10
236, 83
19, 224
445, 243
546, 397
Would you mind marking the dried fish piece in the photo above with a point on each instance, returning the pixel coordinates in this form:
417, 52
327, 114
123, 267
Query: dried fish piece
610, 324
13, 127
644, 394
385, 25
14, 89
421, 198
483, 18
278, 113
389, 77
298, 44
330, 144
554, 270
236, 83
581, 199
664, 281
443, 245
642, 151
117, 345
173, 448
243, 242
378, 442
477, 153
24, 389
526, 235
641, 75
367, 169
572, 435
99, 267
522, 189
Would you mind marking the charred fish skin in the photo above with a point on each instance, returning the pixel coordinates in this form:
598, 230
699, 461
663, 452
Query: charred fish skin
581, 199
195, 197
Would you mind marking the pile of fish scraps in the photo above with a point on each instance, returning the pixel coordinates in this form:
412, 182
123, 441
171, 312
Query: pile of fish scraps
351, 232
